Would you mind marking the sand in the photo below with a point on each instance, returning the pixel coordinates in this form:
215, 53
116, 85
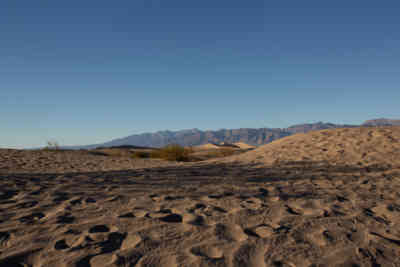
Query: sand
362, 146
41, 161
206, 147
242, 145
241, 211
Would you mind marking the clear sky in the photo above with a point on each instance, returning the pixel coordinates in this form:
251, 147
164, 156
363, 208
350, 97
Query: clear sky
84, 72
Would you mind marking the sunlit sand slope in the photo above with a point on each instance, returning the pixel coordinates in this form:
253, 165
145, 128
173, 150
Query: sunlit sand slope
355, 146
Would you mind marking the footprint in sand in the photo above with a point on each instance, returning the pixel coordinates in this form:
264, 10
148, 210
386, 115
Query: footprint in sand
359, 236
389, 213
127, 215
31, 218
27, 205
4, 239
103, 260
156, 197
113, 242
90, 200
219, 209
126, 257
157, 260
172, 218
208, 251
84, 261
60, 197
99, 229
72, 232
80, 242
261, 231
248, 255
319, 236
213, 211
393, 207
230, 232
77, 201
171, 198
131, 241
336, 210
7, 194
251, 203
139, 213
61, 245
263, 193
37, 192
306, 207
218, 196
193, 219
116, 198
18, 259
159, 214
65, 219
198, 206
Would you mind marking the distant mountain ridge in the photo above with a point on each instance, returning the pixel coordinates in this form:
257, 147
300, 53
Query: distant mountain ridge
251, 136
382, 122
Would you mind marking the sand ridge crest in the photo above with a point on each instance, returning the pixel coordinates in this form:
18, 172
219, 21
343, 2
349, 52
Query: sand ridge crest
361, 146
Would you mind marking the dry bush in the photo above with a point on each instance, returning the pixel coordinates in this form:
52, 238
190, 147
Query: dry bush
140, 155
52, 145
172, 153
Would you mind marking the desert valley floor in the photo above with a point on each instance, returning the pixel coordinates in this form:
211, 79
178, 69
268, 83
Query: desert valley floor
326, 198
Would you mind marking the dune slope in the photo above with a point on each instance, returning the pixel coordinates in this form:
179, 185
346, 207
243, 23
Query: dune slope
354, 146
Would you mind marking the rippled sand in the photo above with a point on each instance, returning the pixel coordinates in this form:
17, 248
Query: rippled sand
245, 211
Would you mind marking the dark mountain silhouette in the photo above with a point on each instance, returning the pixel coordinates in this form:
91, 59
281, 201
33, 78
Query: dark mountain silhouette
251, 136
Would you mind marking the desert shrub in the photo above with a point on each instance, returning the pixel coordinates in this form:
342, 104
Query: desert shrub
52, 145
140, 155
97, 153
172, 153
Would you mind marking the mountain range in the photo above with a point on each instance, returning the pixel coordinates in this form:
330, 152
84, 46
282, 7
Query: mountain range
251, 136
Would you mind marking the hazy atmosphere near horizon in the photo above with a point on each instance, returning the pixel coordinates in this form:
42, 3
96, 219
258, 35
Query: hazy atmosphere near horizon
84, 72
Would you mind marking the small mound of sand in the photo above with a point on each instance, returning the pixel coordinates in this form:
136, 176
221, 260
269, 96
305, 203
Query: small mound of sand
206, 147
362, 146
242, 145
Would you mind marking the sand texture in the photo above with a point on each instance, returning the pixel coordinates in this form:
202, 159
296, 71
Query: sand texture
244, 145
206, 147
364, 146
245, 211
41, 161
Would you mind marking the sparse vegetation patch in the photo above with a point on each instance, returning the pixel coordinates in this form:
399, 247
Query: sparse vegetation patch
172, 152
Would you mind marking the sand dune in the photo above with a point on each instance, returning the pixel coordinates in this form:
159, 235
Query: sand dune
243, 145
354, 146
56, 210
206, 147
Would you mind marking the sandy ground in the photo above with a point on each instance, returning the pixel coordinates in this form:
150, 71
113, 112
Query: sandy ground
365, 146
244, 145
40, 161
239, 212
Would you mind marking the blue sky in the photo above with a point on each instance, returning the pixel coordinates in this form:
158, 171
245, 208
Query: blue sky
84, 72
